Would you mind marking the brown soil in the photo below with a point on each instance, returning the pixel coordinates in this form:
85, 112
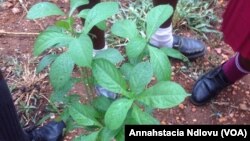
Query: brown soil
230, 107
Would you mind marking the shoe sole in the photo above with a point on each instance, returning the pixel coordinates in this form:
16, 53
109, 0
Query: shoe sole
195, 103
195, 55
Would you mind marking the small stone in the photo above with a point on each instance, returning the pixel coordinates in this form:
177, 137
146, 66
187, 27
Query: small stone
15, 10
231, 115
234, 93
163, 123
234, 120
52, 116
208, 48
181, 106
218, 50
222, 119
193, 109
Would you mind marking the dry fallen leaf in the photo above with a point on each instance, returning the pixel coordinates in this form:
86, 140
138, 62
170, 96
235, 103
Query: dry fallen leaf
243, 107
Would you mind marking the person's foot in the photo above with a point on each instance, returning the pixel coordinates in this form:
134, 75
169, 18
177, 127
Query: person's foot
53, 131
100, 91
208, 86
191, 48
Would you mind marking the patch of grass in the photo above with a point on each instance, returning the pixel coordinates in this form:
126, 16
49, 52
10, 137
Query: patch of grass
198, 16
131, 10
27, 87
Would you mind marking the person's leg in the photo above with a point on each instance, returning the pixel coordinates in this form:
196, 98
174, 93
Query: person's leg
98, 39
10, 128
164, 36
96, 34
209, 85
173, 3
236, 68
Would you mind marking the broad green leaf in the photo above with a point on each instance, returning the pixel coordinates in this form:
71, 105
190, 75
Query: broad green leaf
43, 9
91, 137
160, 63
66, 24
121, 135
110, 54
82, 115
83, 14
65, 114
135, 48
141, 117
46, 61
71, 125
60, 71
165, 94
126, 70
99, 13
108, 76
58, 95
101, 25
48, 39
106, 134
174, 54
101, 103
81, 51
76, 3
117, 113
72, 98
156, 17
125, 29
87, 110
141, 75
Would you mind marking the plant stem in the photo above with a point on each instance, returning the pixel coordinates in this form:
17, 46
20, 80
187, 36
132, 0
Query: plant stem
85, 81
90, 81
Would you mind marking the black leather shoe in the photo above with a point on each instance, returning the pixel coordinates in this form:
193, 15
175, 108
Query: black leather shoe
53, 131
208, 86
191, 48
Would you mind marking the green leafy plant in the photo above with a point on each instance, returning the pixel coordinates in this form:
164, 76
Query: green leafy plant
129, 75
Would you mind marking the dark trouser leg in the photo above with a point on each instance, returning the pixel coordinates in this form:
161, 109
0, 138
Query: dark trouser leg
10, 128
96, 34
173, 3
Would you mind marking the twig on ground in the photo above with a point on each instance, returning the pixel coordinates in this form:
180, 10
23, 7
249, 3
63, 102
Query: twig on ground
17, 33
186, 76
232, 106
26, 10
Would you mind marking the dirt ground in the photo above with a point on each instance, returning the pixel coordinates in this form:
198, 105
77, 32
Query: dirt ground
17, 36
